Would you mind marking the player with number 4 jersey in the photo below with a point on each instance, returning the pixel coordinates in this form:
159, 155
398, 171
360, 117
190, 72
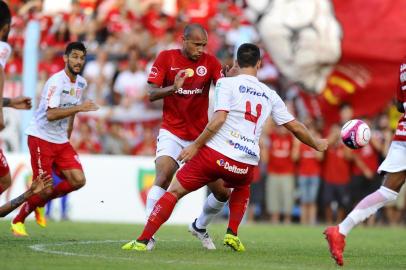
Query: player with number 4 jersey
228, 146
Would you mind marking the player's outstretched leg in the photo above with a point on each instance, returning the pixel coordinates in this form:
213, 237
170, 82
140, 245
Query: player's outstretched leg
159, 215
336, 244
335, 235
238, 204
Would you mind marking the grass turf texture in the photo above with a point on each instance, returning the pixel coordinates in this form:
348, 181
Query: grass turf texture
72, 246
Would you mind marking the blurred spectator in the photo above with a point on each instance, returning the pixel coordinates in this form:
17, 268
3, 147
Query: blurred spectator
308, 172
85, 141
99, 74
131, 83
147, 146
280, 183
114, 141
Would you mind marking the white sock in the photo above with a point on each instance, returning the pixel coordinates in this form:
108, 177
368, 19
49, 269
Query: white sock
154, 194
366, 208
211, 208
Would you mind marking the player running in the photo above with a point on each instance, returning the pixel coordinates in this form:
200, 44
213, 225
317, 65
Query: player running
228, 146
394, 166
50, 130
182, 78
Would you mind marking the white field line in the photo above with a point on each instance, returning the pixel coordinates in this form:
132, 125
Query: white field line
45, 248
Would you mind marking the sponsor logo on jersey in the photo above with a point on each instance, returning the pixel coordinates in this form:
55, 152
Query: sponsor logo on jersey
251, 91
244, 138
153, 73
403, 77
4, 53
242, 148
231, 168
182, 91
81, 84
72, 92
201, 71
402, 67
65, 92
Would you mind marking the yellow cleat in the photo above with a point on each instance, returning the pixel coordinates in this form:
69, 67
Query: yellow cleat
18, 229
233, 242
135, 245
40, 216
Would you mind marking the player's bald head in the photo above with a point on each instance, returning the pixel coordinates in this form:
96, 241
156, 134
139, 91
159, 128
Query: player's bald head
193, 30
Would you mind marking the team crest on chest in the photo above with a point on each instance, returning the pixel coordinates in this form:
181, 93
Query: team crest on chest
201, 71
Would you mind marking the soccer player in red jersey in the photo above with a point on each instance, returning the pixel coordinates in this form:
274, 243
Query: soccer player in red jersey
228, 146
394, 167
50, 130
23, 103
182, 78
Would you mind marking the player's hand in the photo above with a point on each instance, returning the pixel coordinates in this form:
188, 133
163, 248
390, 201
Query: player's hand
368, 174
321, 145
21, 103
188, 153
179, 80
43, 182
233, 71
88, 106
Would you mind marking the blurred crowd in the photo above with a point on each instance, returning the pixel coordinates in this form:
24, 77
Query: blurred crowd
124, 37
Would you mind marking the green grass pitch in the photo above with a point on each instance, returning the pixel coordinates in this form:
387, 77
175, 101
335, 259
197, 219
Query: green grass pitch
72, 246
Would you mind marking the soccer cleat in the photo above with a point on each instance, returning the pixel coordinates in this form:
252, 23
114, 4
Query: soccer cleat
18, 229
135, 245
234, 242
336, 243
40, 216
151, 244
202, 235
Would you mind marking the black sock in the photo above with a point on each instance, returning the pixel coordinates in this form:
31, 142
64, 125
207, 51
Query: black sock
229, 231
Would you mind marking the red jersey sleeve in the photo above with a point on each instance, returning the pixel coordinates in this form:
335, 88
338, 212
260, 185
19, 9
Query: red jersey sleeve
217, 69
158, 70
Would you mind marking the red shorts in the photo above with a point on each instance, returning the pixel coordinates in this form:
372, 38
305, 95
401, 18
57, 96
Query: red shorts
4, 169
209, 165
46, 155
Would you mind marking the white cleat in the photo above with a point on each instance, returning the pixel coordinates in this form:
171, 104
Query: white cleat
151, 244
204, 237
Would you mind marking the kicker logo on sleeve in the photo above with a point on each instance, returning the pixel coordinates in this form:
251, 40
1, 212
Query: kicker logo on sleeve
231, 168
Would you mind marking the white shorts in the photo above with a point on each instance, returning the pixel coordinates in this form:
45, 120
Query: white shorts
395, 160
170, 145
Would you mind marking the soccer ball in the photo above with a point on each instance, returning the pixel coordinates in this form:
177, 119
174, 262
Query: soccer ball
355, 134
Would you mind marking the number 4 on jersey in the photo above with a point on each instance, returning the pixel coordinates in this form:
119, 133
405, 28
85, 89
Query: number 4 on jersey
249, 116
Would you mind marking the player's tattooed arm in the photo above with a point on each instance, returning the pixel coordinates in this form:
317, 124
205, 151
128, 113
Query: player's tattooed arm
41, 183
19, 103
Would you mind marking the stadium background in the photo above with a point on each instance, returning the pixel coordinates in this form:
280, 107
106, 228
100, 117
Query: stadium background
117, 143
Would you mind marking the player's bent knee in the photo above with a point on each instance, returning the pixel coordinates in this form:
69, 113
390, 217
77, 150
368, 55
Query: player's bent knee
162, 180
222, 195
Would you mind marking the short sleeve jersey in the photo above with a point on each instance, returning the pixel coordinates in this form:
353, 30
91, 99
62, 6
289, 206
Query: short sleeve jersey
400, 133
185, 112
248, 103
5, 52
58, 92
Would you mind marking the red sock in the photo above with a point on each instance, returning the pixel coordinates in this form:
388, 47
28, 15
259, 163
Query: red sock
33, 202
62, 189
161, 212
238, 204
